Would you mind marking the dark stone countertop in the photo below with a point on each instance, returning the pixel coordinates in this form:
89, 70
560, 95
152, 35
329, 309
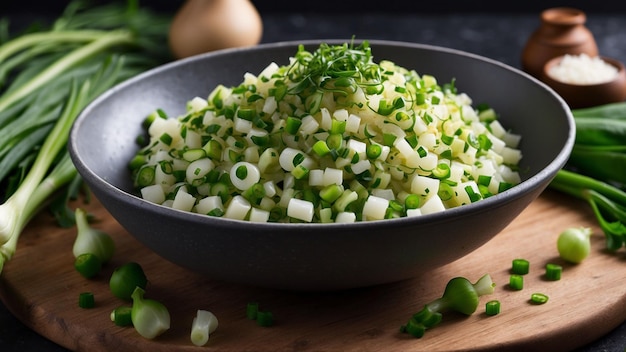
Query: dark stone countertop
500, 36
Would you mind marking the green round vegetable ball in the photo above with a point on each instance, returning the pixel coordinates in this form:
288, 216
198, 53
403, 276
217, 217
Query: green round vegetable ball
125, 278
88, 265
574, 244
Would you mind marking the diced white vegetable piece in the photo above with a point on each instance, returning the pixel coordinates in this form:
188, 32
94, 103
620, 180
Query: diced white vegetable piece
198, 169
404, 147
512, 140
341, 115
286, 159
384, 153
384, 178
509, 175
163, 179
427, 140
390, 128
439, 112
316, 177
238, 208
485, 167
326, 120
270, 188
413, 212
496, 144
424, 186
385, 193
251, 154
153, 193
168, 203
332, 176
469, 156
432, 205
353, 123
461, 195
196, 104
259, 215
309, 125
374, 101
242, 126
300, 209
345, 217
358, 146
496, 129
193, 139
287, 195
419, 126
202, 325
375, 208
511, 156
361, 166
270, 105
207, 204
183, 200
170, 126
253, 175
428, 162
267, 203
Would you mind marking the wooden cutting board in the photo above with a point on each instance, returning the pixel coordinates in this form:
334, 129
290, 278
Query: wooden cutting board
40, 287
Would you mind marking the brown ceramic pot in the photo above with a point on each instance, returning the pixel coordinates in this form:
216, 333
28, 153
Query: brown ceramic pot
587, 95
562, 31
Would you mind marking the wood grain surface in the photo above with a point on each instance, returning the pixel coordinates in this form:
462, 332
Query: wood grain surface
40, 287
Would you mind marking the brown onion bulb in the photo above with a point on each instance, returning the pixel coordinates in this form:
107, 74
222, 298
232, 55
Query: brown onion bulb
201, 26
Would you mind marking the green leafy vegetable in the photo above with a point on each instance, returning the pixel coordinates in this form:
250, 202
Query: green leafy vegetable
47, 76
596, 170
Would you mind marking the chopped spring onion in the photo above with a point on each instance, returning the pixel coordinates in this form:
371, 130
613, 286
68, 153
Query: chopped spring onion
460, 295
520, 266
86, 300
125, 279
122, 316
538, 298
516, 282
382, 126
553, 272
88, 264
252, 308
492, 307
204, 323
150, 318
264, 318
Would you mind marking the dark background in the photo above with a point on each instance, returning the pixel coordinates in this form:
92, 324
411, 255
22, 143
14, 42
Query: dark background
352, 7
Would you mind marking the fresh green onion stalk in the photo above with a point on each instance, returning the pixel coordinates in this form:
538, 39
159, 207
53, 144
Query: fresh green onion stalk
596, 169
460, 295
47, 76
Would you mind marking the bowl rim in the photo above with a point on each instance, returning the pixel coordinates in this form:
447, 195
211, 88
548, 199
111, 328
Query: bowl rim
505, 197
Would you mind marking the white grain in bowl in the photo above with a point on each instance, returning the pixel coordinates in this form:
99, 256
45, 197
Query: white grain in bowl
583, 69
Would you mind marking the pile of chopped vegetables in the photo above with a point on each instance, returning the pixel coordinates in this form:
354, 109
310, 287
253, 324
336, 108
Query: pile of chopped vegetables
331, 137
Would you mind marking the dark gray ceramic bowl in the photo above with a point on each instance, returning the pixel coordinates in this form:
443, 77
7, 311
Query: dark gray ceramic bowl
316, 256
